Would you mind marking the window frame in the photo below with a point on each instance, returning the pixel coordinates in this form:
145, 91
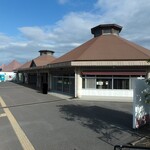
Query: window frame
112, 78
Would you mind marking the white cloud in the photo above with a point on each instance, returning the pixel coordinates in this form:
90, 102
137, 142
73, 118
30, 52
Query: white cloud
19, 44
73, 25
34, 33
64, 35
132, 15
4, 39
74, 28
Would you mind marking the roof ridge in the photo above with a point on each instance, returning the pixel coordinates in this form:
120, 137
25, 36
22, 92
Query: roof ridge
134, 45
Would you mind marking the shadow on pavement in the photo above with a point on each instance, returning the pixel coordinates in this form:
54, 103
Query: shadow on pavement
94, 115
112, 126
31, 86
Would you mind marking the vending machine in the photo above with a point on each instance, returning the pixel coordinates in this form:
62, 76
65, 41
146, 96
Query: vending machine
2, 77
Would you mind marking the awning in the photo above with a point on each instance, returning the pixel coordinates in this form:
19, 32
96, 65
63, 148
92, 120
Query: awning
115, 73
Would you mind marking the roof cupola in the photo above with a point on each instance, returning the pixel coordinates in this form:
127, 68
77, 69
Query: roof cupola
106, 29
46, 52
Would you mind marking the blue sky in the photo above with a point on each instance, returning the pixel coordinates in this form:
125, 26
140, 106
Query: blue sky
27, 26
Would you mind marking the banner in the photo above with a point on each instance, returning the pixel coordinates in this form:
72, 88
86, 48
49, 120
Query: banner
141, 107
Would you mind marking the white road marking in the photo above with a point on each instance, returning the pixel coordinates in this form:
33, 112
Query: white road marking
3, 115
25, 143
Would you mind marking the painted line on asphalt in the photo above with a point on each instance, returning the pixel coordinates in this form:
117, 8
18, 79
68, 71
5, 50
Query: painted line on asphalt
3, 115
25, 143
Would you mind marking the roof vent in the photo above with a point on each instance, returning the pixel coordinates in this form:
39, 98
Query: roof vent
46, 52
106, 29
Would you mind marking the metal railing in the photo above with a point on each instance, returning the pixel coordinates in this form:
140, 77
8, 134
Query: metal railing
125, 147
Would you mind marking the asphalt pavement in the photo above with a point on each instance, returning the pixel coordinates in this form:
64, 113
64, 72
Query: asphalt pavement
51, 122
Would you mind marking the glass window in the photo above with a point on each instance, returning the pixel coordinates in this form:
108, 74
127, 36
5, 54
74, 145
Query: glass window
54, 83
63, 84
72, 86
121, 84
66, 85
83, 83
107, 83
116, 31
107, 31
90, 83
59, 84
104, 83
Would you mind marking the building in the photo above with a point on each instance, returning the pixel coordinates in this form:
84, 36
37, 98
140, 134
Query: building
35, 72
2, 66
106, 65
8, 71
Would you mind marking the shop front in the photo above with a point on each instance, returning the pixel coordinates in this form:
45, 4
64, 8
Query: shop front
63, 84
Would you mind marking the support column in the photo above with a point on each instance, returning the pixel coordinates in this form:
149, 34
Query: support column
49, 81
38, 80
17, 77
26, 78
21, 77
78, 83
148, 73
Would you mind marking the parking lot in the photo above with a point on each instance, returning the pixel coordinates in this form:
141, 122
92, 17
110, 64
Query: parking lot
48, 122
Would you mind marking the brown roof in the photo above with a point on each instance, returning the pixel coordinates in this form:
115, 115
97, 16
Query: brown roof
37, 62
11, 66
2, 66
26, 65
106, 47
43, 60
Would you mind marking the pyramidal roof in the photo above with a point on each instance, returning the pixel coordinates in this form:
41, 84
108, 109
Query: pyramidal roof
11, 66
46, 57
2, 66
25, 65
106, 45
43, 60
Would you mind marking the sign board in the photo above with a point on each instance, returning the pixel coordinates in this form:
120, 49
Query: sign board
141, 109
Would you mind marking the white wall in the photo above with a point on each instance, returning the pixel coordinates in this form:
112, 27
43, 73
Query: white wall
107, 92
9, 76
